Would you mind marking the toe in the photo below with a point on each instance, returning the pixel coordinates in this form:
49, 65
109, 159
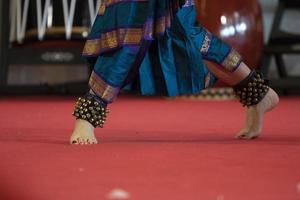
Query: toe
94, 141
73, 139
252, 137
74, 142
81, 141
247, 136
86, 141
242, 136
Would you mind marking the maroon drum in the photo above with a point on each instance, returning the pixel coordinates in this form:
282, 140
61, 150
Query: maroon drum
237, 22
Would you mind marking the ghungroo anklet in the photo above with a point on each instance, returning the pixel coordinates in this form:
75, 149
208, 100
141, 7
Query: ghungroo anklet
92, 109
252, 89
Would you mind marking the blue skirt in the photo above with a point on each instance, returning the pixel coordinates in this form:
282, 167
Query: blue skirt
165, 38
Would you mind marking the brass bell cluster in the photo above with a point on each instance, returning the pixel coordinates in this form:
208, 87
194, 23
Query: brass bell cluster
92, 110
252, 89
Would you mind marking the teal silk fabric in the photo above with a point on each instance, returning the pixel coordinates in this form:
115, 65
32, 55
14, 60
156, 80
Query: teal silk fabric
174, 62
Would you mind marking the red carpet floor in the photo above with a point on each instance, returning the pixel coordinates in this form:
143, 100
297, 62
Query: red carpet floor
155, 149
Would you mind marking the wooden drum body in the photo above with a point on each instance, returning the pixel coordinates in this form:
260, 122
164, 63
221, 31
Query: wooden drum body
238, 23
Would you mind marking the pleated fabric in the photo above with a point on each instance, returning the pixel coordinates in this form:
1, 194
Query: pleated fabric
173, 63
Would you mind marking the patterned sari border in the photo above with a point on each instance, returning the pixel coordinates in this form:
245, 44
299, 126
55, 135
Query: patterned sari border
232, 61
107, 3
102, 89
113, 39
127, 36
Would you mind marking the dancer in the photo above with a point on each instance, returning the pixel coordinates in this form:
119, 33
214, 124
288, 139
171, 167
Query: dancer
156, 48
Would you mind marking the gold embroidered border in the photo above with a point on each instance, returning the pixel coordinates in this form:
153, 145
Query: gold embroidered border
232, 61
107, 3
102, 89
102, 9
113, 39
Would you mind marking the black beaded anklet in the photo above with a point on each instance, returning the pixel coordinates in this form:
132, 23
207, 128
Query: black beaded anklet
92, 109
252, 89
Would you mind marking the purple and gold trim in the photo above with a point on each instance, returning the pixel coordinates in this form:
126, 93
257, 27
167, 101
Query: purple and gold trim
232, 61
102, 9
113, 39
126, 36
107, 3
102, 89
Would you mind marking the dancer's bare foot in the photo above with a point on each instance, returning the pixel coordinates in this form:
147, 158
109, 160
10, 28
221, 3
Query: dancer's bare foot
255, 116
83, 133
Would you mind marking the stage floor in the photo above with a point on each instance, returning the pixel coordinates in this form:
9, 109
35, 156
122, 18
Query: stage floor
150, 149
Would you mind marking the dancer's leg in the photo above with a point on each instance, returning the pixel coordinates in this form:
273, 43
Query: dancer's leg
83, 132
255, 113
111, 71
104, 91
233, 71
90, 112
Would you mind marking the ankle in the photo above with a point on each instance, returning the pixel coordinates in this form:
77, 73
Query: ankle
252, 89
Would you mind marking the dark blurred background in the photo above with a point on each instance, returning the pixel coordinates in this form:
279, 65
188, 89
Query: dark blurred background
41, 41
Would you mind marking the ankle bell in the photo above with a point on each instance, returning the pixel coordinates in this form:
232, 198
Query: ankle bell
252, 89
92, 109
